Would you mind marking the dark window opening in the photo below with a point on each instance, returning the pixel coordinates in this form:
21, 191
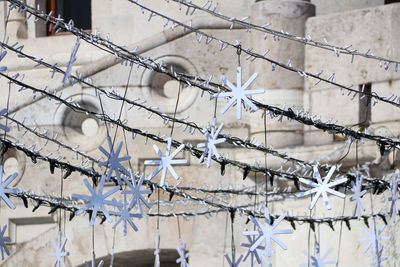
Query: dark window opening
391, 1
364, 114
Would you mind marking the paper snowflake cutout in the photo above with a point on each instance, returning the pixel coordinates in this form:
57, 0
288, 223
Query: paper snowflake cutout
254, 254
125, 216
134, 190
101, 263
4, 190
239, 93
317, 260
358, 194
97, 200
374, 239
182, 254
3, 127
322, 188
233, 262
157, 250
267, 233
3, 240
59, 254
166, 161
113, 162
212, 140
395, 196
72, 59
2, 55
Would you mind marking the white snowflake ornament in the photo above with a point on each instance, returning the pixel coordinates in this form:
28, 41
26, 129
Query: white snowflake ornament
393, 199
60, 253
166, 161
322, 188
239, 93
72, 59
233, 262
4, 190
125, 215
3, 127
97, 200
113, 161
101, 263
358, 194
212, 141
317, 260
267, 233
3, 240
374, 239
136, 192
181, 248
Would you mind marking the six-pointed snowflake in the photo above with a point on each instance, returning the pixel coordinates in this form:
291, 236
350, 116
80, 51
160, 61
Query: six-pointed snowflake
72, 59
101, 263
239, 93
211, 142
3, 127
134, 190
395, 196
113, 162
97, 200
254, 254
317, 260
356, 187
59, 254
182, 254
3, 240
233, 262
267, 233
322, 188
374, 239
4, 190
125, 216
166, 161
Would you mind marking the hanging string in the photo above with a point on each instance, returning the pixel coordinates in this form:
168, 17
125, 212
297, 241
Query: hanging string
176, 107
226, 233
179, 228
61, 194
265, 159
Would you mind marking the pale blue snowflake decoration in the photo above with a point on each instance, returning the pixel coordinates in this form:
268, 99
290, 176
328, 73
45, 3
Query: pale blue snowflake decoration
113, 162
239, 93
72, 59
3, 240
125, 216
393, 199
254, 254
3, 127
60, 253
374, 239
233, 262
101, 263
97, 200
322, 188
181, 248
212, 141
317, 260
2, 55
267, 233
4, 190
358, 194
166, 161
136, 192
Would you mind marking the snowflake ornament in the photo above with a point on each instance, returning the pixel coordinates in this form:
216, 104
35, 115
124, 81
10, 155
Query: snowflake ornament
2, 55
212, 140
157, 250
182, 254
166, 161
322, 188
60, 253
101, 263
3, 240
267, 233
134, 190
72, 59
4, 190
3, 127
113, 162
358, 194
233, 262
97, 200
395, 196
254, 254
239, 93
374, 239
317, 260
125, 216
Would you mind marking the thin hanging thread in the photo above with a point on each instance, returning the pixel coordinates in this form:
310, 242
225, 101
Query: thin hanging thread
265, 159
226, 233
176, 108
179, 228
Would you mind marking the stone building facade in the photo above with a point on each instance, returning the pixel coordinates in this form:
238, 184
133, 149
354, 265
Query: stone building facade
368, 25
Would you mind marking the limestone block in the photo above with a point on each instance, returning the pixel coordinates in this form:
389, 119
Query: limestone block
381, 111
327, 7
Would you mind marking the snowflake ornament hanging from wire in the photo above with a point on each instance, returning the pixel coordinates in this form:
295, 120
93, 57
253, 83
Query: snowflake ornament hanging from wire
322, 187
72, 59
317, 260
267, 233
113, 161
181, 248
4, 190
3, 240
101, 263
239, 93
125, 215
233, 262
136, 192
60, 253
254, 254
166, 161
358, 194
374, 239
210, 144
4, 127
97, 200
393, 199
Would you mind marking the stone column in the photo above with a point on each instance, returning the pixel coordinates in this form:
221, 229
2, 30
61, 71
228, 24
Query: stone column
282, 87
17, 25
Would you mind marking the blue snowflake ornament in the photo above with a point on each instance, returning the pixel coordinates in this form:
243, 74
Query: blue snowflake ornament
4, 190
394, 211
233, 262
60, 253
3, 240
255, 254
2, 55
210, 144
317, 260
358, 194
374, 239
125, 215
72, 59
136, 192
181, 249
101, 263
3, 127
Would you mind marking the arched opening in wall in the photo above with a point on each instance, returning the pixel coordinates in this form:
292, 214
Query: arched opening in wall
13, 161
140, 258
